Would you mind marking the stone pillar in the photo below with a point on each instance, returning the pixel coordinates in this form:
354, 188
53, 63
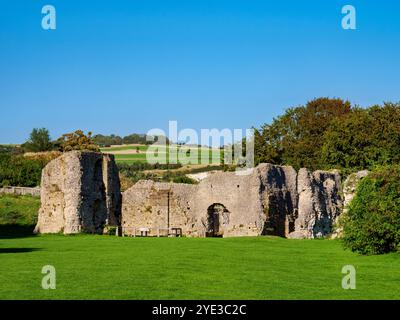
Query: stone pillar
80, 192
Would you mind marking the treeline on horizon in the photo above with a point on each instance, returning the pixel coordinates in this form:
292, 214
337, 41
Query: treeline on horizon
332, 134
135, 138
40, 141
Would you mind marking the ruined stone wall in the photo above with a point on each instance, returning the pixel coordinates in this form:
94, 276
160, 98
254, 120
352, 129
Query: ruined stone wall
279, 198
350, 186
79, 192
319, 203
349, 191
239, 197
270, 200
21, 191
151, 205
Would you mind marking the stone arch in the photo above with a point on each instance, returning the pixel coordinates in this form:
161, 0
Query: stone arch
217, 218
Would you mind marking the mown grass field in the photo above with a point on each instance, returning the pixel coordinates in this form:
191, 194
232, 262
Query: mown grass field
137, 153
108, 267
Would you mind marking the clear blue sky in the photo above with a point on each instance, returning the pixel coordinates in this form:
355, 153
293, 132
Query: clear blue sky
129, 66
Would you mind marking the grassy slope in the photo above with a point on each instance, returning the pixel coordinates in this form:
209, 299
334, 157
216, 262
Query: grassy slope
106, 267
21, 210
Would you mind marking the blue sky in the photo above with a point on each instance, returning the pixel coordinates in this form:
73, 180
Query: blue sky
130, 66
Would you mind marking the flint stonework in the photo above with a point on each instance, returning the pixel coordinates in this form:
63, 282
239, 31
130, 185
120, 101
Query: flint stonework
80, 192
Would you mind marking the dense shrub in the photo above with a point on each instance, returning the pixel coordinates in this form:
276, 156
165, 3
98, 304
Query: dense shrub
43, 156
18, 210
168, 176
7, 149
176, 177
142, 166
77, 140
20, 171
372, 224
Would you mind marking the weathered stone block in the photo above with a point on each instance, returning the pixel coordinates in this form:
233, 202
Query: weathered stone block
270, 200
80, 192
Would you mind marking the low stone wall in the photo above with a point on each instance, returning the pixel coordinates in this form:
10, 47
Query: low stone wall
21, 191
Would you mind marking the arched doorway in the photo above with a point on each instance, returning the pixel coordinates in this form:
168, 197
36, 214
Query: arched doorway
217, 218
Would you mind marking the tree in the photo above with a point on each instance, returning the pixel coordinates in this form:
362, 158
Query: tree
295, 138
77, 141
134, 138
363, 139
39, 140
106, 141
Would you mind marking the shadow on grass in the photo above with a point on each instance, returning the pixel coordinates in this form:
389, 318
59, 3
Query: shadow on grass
10, 231
17, 250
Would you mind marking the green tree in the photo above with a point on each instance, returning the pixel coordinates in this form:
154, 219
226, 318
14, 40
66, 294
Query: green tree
363, 139
39, 140
106, 141
295, 138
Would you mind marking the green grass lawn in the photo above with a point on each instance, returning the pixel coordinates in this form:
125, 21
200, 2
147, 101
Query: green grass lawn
108, 267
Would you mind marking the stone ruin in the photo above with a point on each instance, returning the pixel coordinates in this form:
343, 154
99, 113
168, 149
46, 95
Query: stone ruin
81, 193
271, 200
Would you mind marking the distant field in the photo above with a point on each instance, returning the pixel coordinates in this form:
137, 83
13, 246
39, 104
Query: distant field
130, 157
131, 153
124, 147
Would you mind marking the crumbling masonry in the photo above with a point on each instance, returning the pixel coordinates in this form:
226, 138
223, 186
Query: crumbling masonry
270, 200
80, 192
